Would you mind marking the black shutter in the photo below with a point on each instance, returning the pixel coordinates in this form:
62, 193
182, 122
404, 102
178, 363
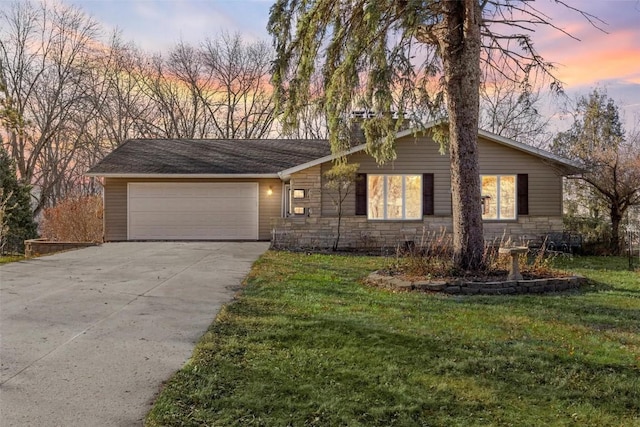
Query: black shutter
361, 194
427, 194
523, 194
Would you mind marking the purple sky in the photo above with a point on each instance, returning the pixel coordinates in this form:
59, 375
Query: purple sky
610, 60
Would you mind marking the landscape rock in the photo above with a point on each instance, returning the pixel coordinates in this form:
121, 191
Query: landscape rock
460, 286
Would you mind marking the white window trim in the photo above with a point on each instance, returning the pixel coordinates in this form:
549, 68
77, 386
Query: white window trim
404, 197
499, 196
286, 199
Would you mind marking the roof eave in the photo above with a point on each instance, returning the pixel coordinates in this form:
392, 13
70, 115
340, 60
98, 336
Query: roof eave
566, 163
184, 175
286, 173
569, 166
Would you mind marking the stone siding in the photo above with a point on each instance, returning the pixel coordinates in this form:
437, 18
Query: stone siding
357, 232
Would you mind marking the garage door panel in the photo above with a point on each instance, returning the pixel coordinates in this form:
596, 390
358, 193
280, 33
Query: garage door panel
193, 211
156, 219
194, 233
187, 190
207, 207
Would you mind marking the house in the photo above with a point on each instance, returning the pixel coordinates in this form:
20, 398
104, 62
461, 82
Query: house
276, 190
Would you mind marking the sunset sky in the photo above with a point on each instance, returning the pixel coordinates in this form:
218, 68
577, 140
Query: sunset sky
609, 60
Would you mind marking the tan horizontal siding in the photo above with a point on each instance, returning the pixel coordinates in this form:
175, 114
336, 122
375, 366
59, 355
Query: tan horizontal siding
115, 209
270, 206
115, 196
414, 156
421, 155
545, 182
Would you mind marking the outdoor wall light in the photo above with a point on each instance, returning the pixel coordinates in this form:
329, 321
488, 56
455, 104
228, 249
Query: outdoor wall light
270, 191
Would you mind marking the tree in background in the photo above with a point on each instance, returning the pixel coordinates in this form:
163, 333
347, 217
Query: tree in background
68, 97
381, 55
612, 161
510, 110
241, 71
16, 217
44, 58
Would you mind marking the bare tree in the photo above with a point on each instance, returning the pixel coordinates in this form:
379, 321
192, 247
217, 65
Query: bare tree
44, 51
509, 109
67, 98
177, 111
220, 90
122, 111
240, 71
186, 65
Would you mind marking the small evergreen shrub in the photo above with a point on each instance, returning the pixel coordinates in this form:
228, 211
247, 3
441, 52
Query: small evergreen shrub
16, 216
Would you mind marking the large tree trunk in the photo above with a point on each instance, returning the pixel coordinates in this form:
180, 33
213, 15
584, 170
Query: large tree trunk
616, 218
460, 50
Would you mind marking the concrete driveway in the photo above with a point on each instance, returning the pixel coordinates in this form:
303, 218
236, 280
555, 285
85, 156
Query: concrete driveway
87, 337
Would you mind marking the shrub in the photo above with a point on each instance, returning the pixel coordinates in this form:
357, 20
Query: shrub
16, 216
432, 257
75, 219
595, 232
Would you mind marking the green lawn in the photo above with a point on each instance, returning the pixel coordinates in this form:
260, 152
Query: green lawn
307, 345
4, 259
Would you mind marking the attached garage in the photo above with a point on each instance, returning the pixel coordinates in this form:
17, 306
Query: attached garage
192, 211
198, 189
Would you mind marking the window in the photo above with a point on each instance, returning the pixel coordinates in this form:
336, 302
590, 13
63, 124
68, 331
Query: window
394, 197
498, 196
299, 194
288, 206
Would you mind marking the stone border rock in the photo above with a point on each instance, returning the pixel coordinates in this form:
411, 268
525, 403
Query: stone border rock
35, 247
462, 287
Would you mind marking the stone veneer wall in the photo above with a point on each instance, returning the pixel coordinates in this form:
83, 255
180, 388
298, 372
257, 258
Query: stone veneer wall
357, 232
37, 247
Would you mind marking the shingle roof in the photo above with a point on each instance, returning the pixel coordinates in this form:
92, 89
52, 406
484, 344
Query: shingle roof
210, 156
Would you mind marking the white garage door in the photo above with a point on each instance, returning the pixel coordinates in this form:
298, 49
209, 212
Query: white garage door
193, 211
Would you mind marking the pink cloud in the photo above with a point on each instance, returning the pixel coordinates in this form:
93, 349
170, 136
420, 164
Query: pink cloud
612, 54
597, 58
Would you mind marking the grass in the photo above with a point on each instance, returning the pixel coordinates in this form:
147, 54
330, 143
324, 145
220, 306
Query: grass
5, 259
307, 345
